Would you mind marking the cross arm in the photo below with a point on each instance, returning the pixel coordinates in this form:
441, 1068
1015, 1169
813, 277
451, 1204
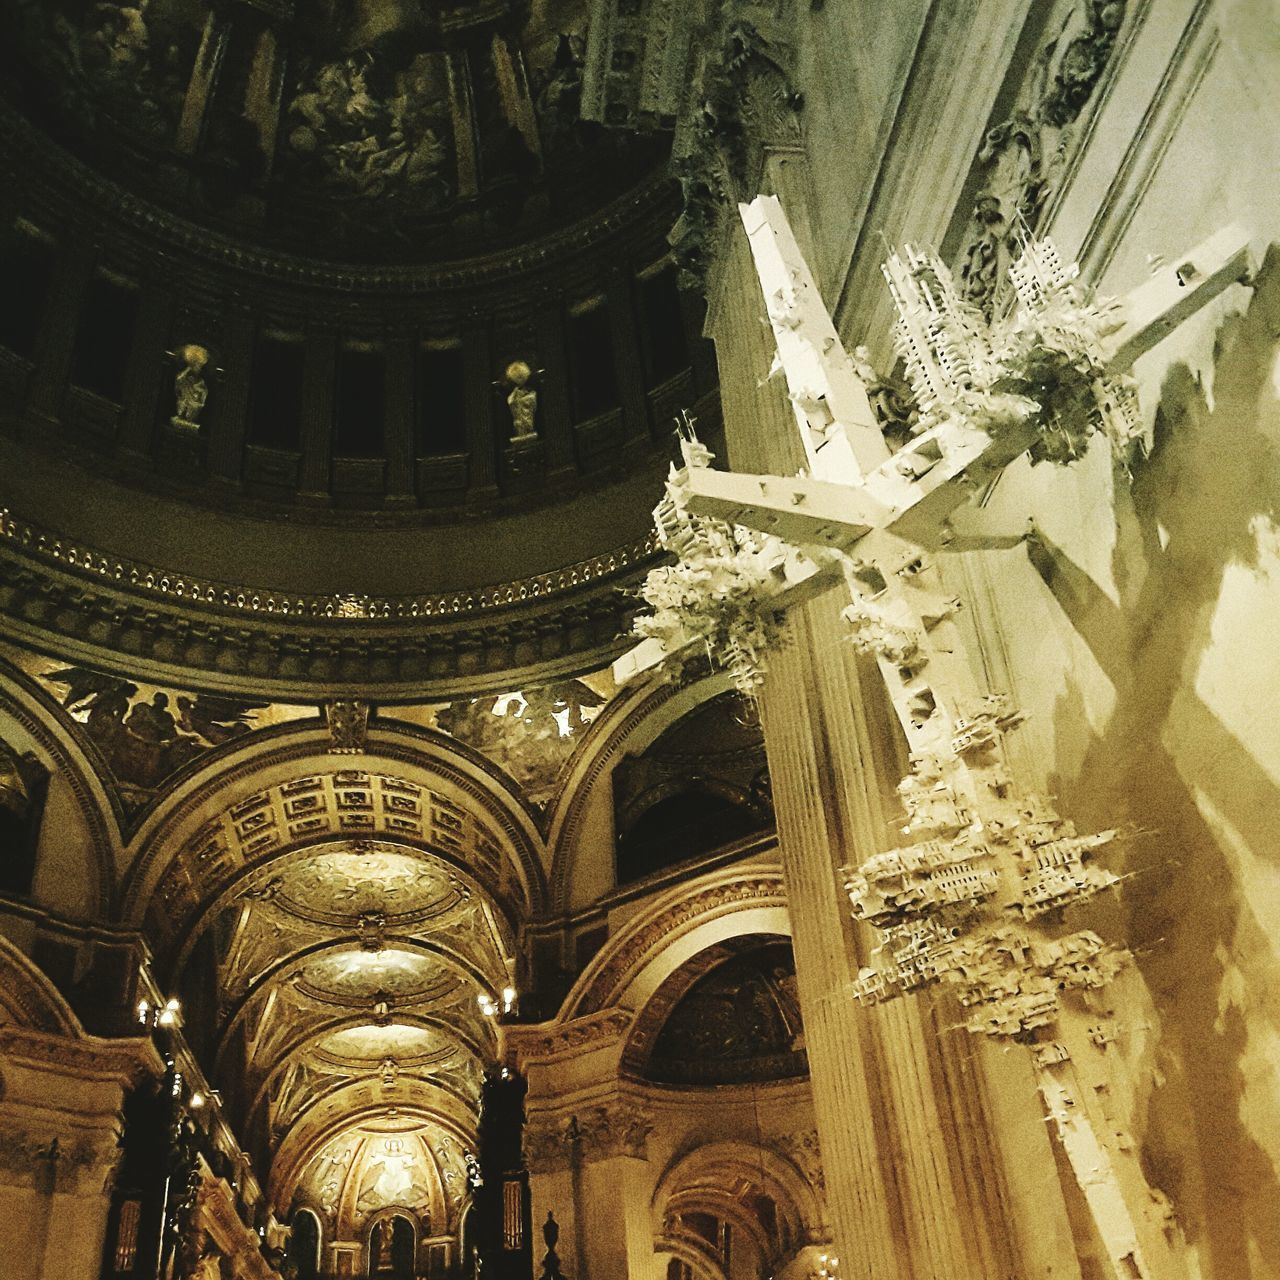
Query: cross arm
1155, 308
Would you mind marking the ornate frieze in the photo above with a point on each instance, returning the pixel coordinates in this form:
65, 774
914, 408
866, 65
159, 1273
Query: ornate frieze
56, 1159
259, 643
581, 1034
600, 1131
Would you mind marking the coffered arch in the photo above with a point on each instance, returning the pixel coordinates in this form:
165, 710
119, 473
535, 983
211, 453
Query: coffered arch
274, 795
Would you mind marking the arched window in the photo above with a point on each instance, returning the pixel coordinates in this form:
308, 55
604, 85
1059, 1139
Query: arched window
304, 1244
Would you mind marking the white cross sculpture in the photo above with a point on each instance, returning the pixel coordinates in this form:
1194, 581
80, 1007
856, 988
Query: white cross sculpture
966, 901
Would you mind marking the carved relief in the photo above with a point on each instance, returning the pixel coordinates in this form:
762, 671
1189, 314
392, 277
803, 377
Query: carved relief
348, 722
741, 98
619, 1127
1024, 155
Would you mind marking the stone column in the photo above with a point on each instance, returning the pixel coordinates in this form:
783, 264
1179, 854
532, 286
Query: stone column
624, 333
477, 354
200, 87
55, 343
553, 387
916, 1187
229, 407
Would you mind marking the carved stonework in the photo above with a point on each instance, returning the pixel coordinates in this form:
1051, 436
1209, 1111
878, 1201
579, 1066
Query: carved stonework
804, 1152
348, 722
761, 890
57, 1161
741, 100
1024, 155
233, 635
619, 1127
580, 1034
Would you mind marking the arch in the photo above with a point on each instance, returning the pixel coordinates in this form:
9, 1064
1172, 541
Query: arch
711, 1168
652, 1017
695, 1254
300, 1043
29, 999
73, 766
630, 721
291, 963
347, 1108
437, 796
385, 1241
306, 1245
675, 927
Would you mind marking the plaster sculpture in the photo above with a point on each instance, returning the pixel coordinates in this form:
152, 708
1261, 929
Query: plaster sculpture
976, 898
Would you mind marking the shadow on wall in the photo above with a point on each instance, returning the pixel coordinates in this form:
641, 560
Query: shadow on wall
1204, 508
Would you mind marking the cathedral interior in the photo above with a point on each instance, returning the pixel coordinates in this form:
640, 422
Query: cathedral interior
637, 640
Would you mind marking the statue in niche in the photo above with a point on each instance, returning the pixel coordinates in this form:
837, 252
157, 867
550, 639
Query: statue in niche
189, 388
24, 784
522, 400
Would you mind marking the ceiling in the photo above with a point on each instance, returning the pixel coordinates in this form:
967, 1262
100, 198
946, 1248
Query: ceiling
374, 130
345, 981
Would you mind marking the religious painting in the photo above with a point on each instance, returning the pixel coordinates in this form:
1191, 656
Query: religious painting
528, 733
145, 733
126, 64
373, 126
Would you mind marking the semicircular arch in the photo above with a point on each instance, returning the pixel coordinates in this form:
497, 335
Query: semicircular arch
277, 792
675, 927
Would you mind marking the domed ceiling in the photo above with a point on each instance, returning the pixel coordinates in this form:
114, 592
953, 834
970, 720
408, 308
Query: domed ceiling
397, 130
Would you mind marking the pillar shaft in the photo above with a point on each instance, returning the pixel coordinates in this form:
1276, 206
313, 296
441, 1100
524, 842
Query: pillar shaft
915, 1183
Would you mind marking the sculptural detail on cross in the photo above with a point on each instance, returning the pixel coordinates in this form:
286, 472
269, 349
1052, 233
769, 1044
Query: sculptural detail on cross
974, 897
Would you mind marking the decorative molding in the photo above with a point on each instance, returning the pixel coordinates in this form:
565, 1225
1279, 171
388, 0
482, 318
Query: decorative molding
61, 181
694, 908
34, 543
72, 1161
600, 1131
544, 1043
173, 630
1024, 156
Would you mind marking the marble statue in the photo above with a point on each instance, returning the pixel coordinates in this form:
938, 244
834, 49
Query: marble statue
522, 400
189, 387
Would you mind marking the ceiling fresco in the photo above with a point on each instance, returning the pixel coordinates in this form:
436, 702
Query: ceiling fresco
145, 733
738, 1023
362, 880
529, 733
356, 977
390, 1163
365, 127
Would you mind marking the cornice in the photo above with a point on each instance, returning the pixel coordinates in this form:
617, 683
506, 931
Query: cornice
77, 603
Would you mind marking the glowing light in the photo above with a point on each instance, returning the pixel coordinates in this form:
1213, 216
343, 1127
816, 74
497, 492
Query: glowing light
197, 1099
144, 1012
